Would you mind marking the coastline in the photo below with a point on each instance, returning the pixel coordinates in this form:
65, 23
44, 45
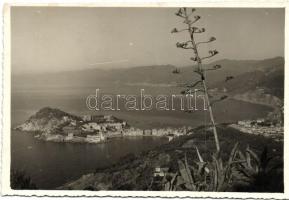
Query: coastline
59, 138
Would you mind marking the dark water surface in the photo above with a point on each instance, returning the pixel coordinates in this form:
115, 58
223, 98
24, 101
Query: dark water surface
53, 164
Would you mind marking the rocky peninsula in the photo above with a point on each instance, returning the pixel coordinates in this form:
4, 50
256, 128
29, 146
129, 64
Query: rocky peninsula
52, 124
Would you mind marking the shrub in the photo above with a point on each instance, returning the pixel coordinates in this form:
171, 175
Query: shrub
19, 181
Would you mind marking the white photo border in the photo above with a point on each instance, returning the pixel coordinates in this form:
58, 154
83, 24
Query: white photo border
6, 102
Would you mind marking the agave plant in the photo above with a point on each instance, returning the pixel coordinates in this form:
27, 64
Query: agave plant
214, 175
193, 45
222, 172
256, 171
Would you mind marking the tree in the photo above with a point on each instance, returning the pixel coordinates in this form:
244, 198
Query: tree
191, 44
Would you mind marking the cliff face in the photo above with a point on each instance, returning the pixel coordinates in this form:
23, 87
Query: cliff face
46, 120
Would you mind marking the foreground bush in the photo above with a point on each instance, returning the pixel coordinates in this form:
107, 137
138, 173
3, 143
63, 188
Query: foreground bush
19, 180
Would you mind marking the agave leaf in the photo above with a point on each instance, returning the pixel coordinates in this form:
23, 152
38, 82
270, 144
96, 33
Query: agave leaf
221, 166
233, 153
192, 168
202, 167
217, 173
201, 164
174, 178
215, 178
220, 176
211, 181
186, 175
239, 161
241, 155
174, 188
219, 163
167, 186
246, 171
238, 174
243, 162
229, 168
221, 181
199, 155
216, 164
253, 154
248, 159
180, 181
191, 178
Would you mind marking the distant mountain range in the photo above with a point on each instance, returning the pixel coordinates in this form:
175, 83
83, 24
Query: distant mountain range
267, 74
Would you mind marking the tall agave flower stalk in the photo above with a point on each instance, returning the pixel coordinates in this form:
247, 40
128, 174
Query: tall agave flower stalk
193, 45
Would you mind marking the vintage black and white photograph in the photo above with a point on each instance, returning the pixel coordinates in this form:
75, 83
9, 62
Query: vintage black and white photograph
147, 99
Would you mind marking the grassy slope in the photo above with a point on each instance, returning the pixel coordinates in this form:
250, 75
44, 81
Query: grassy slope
134, 172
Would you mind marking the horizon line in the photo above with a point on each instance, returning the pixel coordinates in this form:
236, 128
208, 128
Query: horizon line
128, 67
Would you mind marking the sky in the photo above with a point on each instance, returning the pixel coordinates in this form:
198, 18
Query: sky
51, 39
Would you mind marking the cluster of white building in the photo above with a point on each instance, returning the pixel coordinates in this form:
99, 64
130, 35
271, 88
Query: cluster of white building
133, 132
92, 129
93, 126
260, 127
162, 132
98, 128
73, 138
176, 132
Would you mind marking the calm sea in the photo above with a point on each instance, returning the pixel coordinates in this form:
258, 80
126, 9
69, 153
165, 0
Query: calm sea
52, 164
